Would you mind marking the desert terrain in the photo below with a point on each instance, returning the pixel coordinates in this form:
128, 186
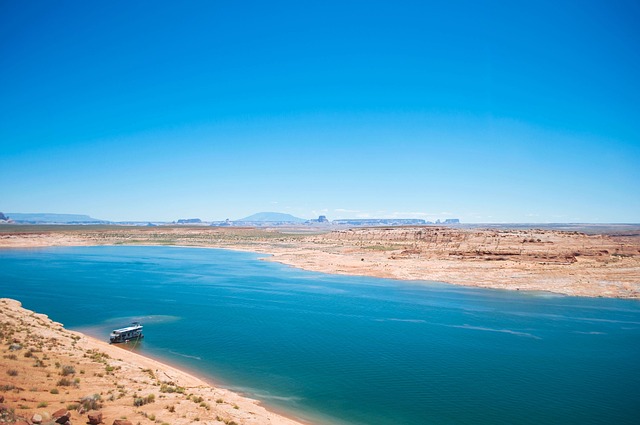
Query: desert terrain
52, 375
592, 261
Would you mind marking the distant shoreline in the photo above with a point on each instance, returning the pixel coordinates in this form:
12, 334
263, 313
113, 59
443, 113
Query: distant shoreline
565, 262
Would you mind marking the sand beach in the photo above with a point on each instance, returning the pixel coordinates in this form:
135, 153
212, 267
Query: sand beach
48, 372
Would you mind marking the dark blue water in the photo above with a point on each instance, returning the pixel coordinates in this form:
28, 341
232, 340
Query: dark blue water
349, 350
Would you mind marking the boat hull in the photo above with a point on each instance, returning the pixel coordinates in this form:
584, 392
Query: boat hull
122, 340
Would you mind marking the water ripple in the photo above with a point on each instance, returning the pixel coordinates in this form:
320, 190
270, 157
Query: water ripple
507, 331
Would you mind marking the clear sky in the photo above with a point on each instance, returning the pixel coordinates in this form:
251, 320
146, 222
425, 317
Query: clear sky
514, 111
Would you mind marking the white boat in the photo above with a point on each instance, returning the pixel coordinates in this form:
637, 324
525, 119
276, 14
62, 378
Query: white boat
133, 332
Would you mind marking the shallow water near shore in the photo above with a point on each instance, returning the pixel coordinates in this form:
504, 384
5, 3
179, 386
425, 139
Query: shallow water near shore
344, 349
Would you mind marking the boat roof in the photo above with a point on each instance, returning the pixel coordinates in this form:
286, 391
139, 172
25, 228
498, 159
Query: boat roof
133, 327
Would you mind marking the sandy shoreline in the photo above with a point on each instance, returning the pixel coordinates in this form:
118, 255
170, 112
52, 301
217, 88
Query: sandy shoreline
36, 351
572, 263
565, 262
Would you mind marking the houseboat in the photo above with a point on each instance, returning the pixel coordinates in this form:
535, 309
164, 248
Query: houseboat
133, 332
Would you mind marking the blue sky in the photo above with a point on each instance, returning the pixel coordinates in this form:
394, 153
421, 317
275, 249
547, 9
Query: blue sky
486, 111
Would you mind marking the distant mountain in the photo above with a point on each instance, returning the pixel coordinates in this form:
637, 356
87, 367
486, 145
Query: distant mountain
273, 217
37, 218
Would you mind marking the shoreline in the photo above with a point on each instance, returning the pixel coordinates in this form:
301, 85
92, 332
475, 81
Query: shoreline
206, 380
179, 396
210, 381
563, 262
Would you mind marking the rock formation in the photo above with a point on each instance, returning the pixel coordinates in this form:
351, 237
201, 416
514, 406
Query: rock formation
95, 418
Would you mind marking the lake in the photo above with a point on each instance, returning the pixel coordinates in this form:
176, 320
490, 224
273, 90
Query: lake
345, 349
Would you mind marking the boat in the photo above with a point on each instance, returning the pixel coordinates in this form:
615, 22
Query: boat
133, 332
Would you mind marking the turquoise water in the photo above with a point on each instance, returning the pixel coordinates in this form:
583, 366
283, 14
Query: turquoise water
349, 350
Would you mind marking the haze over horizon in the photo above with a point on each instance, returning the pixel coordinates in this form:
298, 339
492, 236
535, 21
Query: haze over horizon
483, 111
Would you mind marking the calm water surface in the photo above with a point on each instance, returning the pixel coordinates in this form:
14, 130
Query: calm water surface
349, 350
